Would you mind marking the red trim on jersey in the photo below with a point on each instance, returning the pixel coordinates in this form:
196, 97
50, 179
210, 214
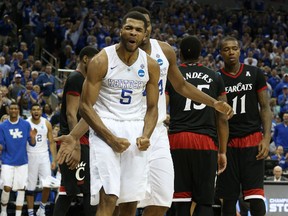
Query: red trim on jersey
256, 191
182, 195
251, 140
263, 88
189, 140
183, 65
223, 93
166, 92
84, 140
62, 189
73, 93
191, 64
236, 75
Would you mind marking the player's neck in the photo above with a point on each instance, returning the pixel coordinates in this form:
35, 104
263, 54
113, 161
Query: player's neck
80, 69
146, 47
127, 57
190, 62
232, 69
35, 121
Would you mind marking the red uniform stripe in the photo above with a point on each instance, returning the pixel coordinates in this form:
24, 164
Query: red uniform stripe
182, 195
251, 140
190, 140
256, 191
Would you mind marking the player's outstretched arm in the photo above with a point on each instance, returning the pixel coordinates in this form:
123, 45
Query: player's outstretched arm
186, 89
223, 134
70, 142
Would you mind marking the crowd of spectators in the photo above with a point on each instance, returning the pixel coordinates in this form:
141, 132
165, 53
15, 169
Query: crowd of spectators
63, 28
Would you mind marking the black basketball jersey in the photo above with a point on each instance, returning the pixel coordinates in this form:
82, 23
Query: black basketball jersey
242, 96
187, 115
73, 86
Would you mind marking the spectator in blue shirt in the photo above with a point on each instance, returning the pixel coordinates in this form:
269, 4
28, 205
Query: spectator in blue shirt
46, 81
282, 100
280, 136
281, 157
278, 89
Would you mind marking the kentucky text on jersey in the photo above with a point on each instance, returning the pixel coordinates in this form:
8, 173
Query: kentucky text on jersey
238, 88
125, 84
197, 75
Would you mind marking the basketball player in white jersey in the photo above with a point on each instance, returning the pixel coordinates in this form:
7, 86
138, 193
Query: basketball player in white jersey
39, 164
161, 173
112, 107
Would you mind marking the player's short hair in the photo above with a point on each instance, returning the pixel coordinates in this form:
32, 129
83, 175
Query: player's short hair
190, 48
141, 10
228, 38
35, 104
135, 15
89, 51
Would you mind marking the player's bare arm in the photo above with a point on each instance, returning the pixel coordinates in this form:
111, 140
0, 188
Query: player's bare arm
188, 90
70, 142
223, 134
151, 116
266, 117
97, 70
52, 144
72, 101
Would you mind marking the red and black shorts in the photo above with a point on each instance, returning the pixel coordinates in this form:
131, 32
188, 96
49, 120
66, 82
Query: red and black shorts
195, 164
243, 170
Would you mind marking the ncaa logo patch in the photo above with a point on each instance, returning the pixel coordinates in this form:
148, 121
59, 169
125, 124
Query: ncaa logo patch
141, 73
160, 61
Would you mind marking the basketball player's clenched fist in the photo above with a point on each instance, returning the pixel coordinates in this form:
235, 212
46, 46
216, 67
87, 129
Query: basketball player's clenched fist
143, 143
120, 145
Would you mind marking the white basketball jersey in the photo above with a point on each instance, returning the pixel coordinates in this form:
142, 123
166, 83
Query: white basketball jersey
159, 56
120, 97
41, 136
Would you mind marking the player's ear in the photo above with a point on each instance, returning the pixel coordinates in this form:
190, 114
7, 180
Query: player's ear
146, 36
85, 59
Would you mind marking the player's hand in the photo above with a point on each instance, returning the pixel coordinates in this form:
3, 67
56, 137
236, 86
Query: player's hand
68, 144
263, 149
119, 145
53, 165
143, 143
222, 163
225, 108
73, 159
33, 133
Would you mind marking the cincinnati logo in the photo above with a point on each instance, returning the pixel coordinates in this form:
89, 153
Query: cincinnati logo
80, 169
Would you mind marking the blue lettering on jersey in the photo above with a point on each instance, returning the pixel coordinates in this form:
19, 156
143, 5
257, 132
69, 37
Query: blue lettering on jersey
125, 84
141, 73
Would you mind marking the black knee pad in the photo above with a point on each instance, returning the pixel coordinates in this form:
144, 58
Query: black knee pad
229, 207
257, 207
206, 210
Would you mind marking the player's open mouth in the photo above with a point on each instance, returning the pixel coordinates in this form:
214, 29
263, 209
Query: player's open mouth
132, 41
